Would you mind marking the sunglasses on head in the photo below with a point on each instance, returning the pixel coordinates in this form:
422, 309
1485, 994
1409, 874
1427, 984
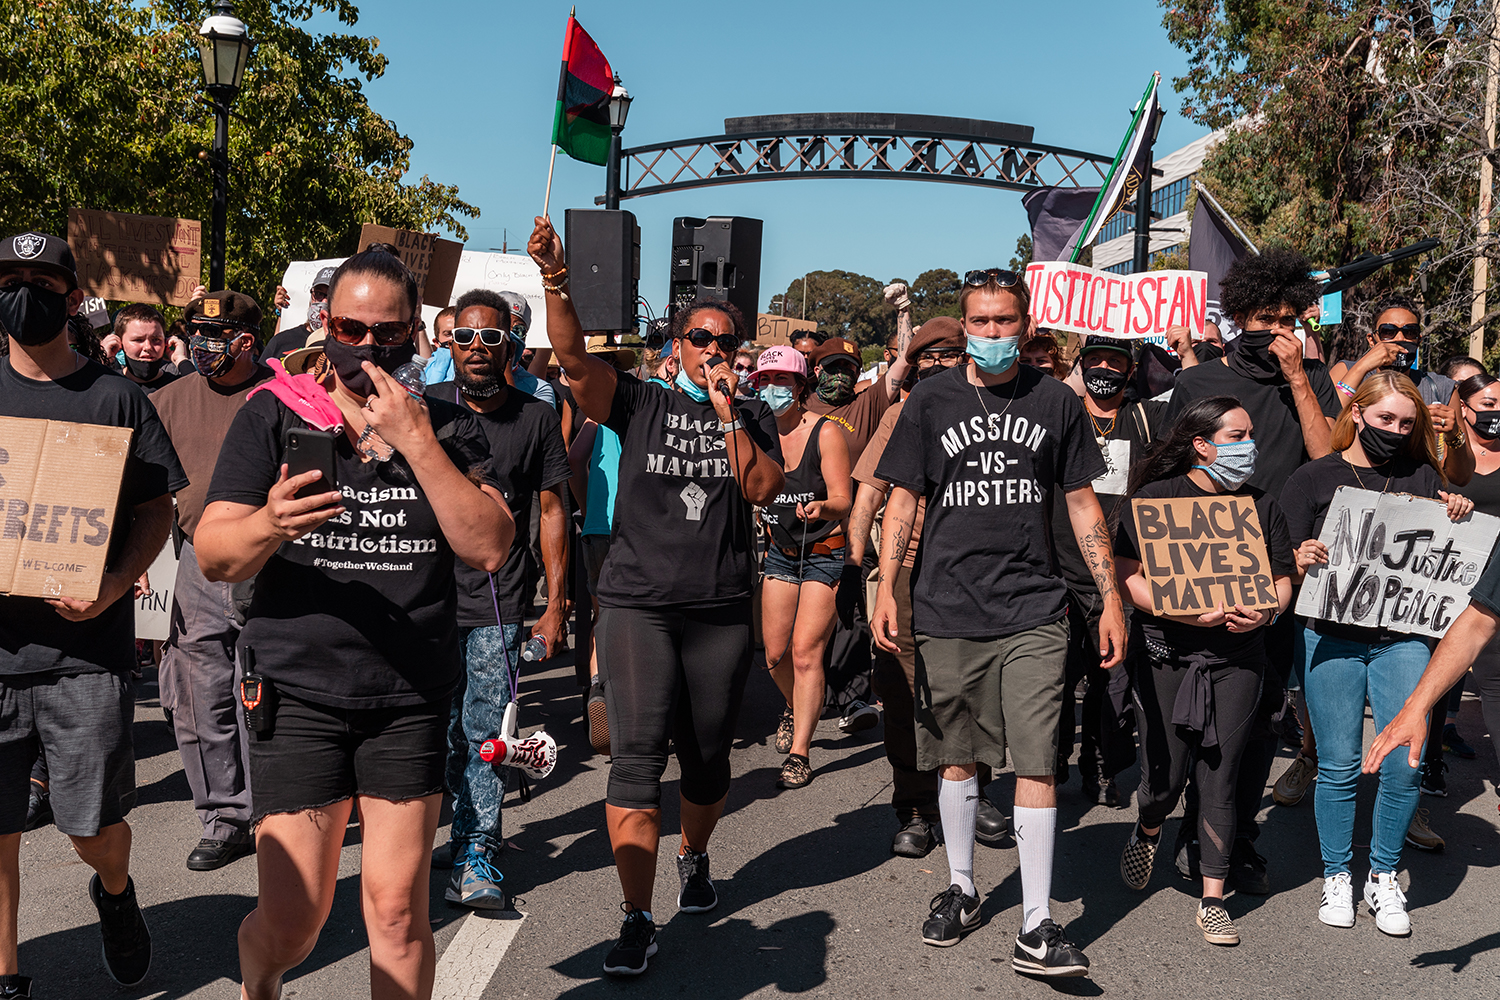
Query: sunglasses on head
701, 338
352, 331
1388, 331
998, 275
464, 336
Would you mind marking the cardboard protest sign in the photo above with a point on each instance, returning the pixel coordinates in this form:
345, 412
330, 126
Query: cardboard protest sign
153, 611
1078, 299
432, 259
507, 272
136, 258
1200, 552
59, 483
1396, 562
771, 330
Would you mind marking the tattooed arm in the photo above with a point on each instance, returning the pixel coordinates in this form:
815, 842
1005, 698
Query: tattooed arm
895, 535
867, 500
1094, 542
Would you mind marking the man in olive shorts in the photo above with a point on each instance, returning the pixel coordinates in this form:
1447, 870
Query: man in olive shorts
986, 444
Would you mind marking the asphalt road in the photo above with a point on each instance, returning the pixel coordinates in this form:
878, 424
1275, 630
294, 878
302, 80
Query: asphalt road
811, 901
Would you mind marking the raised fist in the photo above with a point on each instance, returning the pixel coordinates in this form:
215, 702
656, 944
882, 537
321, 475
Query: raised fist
896, 295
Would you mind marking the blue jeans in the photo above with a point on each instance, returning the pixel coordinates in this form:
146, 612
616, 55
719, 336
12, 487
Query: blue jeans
1339, 676
478, 708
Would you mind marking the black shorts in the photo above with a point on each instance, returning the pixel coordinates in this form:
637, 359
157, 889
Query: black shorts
317, 755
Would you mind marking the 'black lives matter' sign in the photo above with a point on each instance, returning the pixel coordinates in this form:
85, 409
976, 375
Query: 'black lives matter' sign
1396, 562
1202, 552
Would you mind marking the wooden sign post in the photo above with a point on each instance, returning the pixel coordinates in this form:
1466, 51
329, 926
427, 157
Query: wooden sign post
1201, 552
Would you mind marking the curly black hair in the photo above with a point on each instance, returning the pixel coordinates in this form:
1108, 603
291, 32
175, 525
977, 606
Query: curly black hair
1395, 300
1278, 276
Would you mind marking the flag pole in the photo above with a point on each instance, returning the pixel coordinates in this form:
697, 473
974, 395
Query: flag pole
548, 199
551, 166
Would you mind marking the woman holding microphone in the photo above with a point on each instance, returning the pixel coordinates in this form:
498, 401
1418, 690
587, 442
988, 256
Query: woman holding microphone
674, 633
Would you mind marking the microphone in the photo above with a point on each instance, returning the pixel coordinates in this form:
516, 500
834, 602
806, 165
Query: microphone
723, 383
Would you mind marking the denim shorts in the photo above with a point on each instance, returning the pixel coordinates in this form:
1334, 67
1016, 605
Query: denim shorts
816, 567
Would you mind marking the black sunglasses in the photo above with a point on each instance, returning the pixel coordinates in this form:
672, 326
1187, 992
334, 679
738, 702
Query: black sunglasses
463, 336
1000, 276
352, 331
1388, 331
215, 331
701, 338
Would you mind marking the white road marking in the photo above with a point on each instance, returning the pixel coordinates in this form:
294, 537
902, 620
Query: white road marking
471, 959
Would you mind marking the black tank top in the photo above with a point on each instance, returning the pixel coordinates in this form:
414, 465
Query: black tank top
1484, 490
803, 484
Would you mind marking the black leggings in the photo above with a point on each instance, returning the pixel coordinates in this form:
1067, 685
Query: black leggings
1168, 750
672, 676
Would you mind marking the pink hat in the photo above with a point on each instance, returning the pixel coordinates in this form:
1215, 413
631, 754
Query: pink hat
778, 359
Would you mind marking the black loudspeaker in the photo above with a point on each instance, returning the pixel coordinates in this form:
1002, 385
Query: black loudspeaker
604, 267
717, 258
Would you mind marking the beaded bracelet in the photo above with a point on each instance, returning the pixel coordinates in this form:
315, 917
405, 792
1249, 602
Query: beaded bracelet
1345, 388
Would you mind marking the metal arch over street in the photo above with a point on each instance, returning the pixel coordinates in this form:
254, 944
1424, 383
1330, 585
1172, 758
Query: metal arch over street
903, 147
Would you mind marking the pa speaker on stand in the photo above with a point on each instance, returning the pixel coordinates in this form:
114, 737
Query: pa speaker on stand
717, 258
604, 267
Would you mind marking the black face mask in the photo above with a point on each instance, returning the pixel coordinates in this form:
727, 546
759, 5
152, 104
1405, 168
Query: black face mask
1103, 382
1207, 351
33, 314
937, 369
1404, 361
1381, 445
1252, 356
346, 362
145, 370
1487, 424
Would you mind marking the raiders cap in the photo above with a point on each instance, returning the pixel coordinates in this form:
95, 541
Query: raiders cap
39, 250
226, 308
324, 277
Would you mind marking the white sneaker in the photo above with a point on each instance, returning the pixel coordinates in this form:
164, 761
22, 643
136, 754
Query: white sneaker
1337, 909
1385, 899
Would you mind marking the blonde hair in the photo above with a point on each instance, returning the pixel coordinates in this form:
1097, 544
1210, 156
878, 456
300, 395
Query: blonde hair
1421, 446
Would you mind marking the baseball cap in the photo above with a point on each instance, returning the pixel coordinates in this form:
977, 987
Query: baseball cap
1094, 342
520, 314
324, 277
40, 250
226, 307
835, 347
941, 333
778, 359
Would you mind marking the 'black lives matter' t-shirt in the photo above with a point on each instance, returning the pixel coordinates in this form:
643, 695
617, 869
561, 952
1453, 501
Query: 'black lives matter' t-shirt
34, 638
1217, 644
988, 471
526, 456
361, 611
1273, 413
682, 532
1309, 493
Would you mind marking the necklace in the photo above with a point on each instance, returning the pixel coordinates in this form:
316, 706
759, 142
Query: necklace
1102, 433
1361, 482
992, 417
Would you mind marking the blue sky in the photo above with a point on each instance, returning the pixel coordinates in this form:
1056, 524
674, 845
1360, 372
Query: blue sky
474, 84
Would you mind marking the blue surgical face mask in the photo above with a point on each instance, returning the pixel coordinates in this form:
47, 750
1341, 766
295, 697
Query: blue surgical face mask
694, 391
120, 358
994, 356
660, 381
1234, 464
778, 397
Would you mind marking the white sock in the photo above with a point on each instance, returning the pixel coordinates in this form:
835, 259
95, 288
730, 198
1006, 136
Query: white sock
1036, 832
958, 801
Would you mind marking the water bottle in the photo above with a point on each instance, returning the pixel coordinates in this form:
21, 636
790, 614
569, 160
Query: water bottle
412, 377
535, 649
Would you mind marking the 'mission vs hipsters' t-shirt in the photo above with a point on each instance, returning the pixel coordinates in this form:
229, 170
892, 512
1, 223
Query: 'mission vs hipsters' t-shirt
682, 532
988, 461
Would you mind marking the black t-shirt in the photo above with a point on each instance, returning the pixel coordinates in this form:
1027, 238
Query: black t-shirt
1124, 441
683, 532
526, 456
34, 638
285, 342
1484, 490
1278, 433
1309, 493
165, 377
1486, 590
360, 612
1217, 644
988, 471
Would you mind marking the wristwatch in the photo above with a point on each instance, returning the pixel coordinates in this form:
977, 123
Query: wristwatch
734, 425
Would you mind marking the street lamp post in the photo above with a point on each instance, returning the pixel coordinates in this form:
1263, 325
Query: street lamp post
224, 44
619, 107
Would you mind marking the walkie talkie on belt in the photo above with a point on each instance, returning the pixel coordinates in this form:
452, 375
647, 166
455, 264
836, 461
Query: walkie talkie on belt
256, 695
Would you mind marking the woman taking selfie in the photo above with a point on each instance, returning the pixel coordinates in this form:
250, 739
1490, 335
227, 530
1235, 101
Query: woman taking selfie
352, 631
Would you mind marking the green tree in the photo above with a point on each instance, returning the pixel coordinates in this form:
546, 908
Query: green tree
843, 304
108, 111
935, 293
1023, 254
1353, 127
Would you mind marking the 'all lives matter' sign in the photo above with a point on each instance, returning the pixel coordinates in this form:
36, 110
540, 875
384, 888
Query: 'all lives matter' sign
1396, 562
1201, 552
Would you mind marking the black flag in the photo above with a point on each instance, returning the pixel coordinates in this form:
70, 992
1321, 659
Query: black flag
1213, 244
1056, 213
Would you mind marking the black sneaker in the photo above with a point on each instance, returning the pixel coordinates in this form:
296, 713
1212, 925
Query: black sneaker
636, 945
1046, 952
697, 894
953, 915
38, 808
1100, 790
1433, 782
598, 716
1456, 744
127, 940
211, 855
1247, 869
914, 839
990, 824
14, 985
1186, 854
